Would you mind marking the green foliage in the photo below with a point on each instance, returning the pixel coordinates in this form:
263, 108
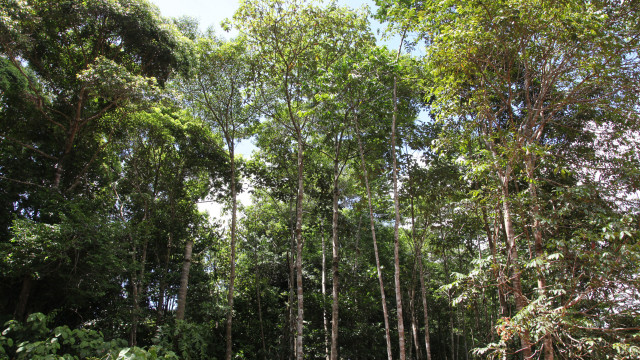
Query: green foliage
34, 340
113, 126
189, 340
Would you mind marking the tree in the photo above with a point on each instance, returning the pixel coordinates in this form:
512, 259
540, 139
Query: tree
221, 93
169, 163
334, 122
512, 73
296, 43
82, 64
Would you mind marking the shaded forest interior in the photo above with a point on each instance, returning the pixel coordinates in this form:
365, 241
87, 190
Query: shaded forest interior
480, 200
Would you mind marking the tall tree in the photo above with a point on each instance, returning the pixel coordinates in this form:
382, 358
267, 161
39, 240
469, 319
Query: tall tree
220, 92
520, 70
83, 63
296, 42
334, 122
396, 207
170, 162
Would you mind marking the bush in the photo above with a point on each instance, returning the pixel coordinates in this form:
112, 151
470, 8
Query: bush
34, 340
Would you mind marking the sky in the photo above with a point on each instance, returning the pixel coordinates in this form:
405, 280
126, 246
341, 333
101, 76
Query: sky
212, 12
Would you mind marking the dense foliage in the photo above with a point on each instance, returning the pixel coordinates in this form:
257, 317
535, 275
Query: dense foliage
481, 200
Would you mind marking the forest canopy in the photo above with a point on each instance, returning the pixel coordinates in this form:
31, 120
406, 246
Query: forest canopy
476, 199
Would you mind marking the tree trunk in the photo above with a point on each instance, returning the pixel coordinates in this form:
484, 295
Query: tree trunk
445, 260
414, 325
547, 341
300, 318
335, 262
512, 257
424, 307
258, 296
134, 314
385, 312
290, 326
232, 260
291, 316
417, 248
184, 280
163, 284
138, 289
496, 271
324, 296
23, 299
163, 279
396, 244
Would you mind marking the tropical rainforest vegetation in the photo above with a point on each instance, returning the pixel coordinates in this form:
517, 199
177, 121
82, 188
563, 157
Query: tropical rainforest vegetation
478, 200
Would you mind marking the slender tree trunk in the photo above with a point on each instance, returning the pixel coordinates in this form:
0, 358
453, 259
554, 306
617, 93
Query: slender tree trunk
291, 326
232, 260
184, 280
427, 343
163, 283
290, 317
385, 312
134, 315
512, 257
138, 290
335, 263
417, 248
445, 260
258, 297
163, 279
300, 318
464, 338
396, 243
324, 296
412, 311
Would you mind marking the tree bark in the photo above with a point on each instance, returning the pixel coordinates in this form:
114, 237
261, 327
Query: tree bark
184, 280
385, 312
